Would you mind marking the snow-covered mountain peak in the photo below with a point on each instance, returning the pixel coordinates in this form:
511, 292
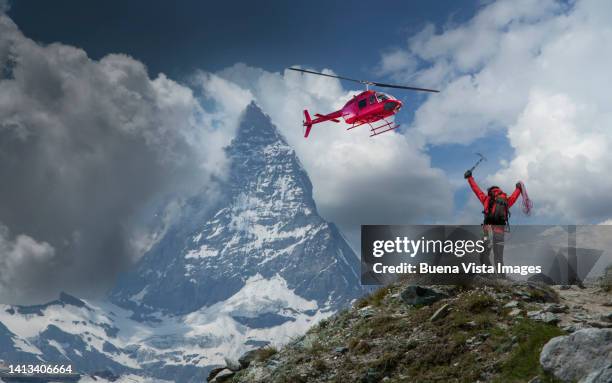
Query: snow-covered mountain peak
258, 268
267, 224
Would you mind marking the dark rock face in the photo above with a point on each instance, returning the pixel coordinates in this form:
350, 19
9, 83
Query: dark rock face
213, 373
221, 375
416, 295
246, 358
264, 320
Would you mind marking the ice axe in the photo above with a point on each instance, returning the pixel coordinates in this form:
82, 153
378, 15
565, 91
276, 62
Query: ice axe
482, 158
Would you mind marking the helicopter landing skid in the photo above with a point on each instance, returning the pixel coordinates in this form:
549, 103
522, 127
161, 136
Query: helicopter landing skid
375, 130
383, 128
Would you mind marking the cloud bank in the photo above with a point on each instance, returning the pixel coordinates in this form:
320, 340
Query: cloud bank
84, 146
535, 70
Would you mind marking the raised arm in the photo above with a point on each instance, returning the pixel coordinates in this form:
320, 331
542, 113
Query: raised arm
479, 194
515, 194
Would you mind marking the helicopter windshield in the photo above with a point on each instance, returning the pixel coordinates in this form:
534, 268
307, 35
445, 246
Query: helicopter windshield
382, 96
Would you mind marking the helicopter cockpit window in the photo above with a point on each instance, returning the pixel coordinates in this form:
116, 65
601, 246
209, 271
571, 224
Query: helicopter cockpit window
362, 103
382, 96
372, 99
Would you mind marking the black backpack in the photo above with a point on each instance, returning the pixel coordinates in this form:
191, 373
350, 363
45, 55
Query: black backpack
497, 212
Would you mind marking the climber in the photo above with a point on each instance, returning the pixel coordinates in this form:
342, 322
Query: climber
496, 214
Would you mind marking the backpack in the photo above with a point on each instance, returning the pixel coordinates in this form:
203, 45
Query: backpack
497, 212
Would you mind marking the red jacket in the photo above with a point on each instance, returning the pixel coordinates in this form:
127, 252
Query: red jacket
484, 198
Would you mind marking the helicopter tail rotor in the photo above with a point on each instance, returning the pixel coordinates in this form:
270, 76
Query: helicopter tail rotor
307, 123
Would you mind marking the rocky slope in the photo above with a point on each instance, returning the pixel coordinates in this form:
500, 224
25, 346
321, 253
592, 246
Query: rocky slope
494, 331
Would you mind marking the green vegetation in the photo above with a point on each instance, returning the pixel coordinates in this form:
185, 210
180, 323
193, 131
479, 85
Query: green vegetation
477, 340
606, 280
524, 359
375, 299
265, 353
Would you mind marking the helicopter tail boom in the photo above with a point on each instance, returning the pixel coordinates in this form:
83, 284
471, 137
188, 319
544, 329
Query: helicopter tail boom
309, 122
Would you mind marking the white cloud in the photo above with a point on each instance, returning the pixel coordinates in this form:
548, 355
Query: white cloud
397, 61
21, 257
85, 145
538, 71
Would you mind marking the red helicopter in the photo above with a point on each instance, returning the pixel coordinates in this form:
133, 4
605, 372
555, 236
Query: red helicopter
368, 107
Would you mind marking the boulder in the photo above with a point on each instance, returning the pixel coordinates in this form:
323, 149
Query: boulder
440, 313
600, 376
213, 374
538, 292
246, 358
514, 312
341, 350
232, 364
366, 312
511, 305
371, 376
546, 317
556, 308
574, 357
416, 295
223, 376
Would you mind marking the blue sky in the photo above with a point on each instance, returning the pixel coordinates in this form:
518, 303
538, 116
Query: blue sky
178, 37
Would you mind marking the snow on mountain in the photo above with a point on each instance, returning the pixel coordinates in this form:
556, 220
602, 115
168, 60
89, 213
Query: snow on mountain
259, 268
97, 336
67, 330
267, 224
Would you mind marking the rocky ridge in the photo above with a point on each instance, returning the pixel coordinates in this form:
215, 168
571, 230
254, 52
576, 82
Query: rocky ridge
492, 331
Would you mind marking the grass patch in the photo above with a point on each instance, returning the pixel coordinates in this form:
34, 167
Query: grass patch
605, 281
524, 361
315, 348
381, 325
264, 353
477, 303
543, 294
359, 346
319, 365
375, 299
387, 362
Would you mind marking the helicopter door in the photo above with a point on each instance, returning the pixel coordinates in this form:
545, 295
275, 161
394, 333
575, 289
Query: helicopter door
362, 103
372, 99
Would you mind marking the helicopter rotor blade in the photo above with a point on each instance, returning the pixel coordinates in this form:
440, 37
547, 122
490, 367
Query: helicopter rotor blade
364, 82
328, 75
404, 87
